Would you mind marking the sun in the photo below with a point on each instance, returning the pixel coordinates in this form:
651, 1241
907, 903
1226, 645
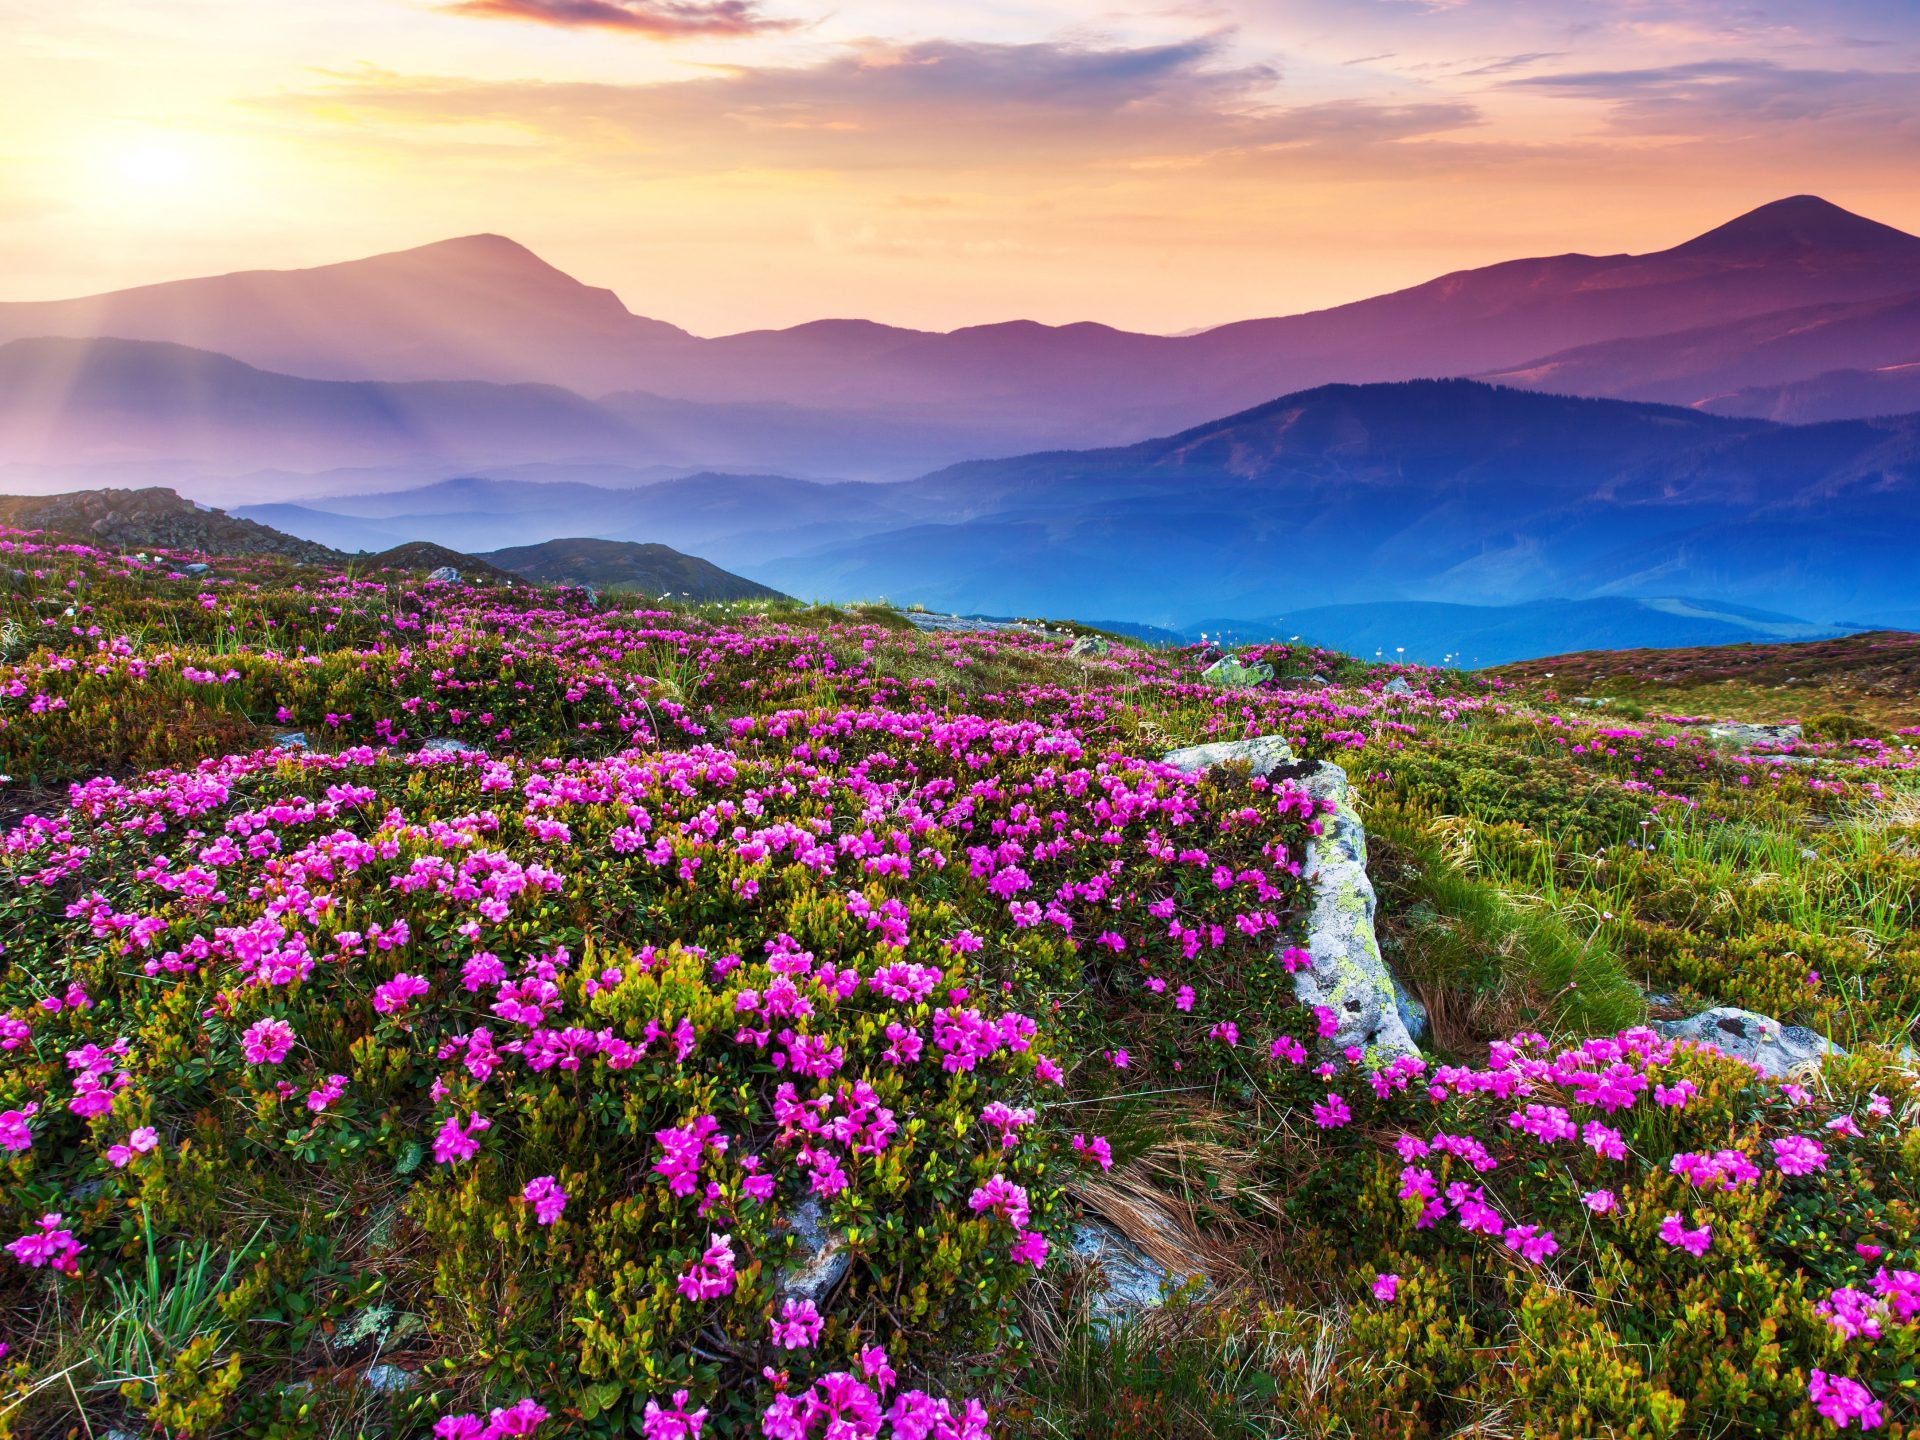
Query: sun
155, 165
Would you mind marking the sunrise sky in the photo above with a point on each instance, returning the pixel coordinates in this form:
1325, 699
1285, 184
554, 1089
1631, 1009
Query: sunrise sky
729, 164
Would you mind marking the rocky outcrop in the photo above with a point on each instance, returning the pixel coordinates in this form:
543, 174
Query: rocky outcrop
1230, 672
1348, 975
821, 1257
1745, 737
1760, 1040
1087, 647
1126, 1279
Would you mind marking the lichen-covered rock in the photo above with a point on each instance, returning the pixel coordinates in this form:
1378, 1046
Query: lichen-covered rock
1398, 686
446, 574
823, 1256
1129, 1279
1413, 1011
1743, 736
1776, 1049
441, 746
1086, 647
291, 740
385, 1379
1348, 975
1230, 672
1263, 754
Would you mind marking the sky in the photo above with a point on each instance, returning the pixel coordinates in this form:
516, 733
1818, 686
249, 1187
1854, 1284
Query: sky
738, 164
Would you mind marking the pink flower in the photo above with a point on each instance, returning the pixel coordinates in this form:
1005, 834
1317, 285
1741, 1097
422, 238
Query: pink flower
1385, 1288
319, 1098
1096, 1149
713, 1273
547, 1198
1030, 1249
677, 1423
1333, 1114
455, 1141
1798, 1155
266, 1042
798, 1327
396, 994
1673, 1231
1003, 1198
1844, 1402
14, 1134
53, 1245
1599, 1201
1531, 1243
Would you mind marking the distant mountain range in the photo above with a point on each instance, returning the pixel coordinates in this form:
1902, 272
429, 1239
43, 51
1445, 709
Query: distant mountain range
1446, 492
1797, 310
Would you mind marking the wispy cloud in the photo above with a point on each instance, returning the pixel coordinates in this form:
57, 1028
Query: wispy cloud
656, 19
927, 105
1733, 97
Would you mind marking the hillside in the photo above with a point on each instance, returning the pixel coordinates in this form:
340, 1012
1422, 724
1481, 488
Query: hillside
154, 518
369, 947
656, 570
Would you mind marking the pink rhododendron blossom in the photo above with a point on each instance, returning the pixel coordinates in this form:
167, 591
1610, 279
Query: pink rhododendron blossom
266, 1042
548, 1200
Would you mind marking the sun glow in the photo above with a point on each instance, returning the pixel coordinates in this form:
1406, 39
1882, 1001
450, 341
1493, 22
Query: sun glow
155, 165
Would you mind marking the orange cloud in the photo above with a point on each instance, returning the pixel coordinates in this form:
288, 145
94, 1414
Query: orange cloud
657, 19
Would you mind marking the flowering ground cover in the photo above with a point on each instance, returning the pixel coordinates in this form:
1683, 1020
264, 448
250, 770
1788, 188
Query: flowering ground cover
492, 1059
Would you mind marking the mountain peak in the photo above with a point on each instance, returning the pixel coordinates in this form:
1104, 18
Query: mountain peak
1799, 224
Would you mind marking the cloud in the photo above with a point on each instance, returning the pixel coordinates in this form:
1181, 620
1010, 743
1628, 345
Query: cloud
657, 19
1736, 97
929, 106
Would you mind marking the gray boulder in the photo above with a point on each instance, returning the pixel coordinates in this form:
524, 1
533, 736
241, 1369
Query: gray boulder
1743, 736
1128, 1279
291, 740
438, 746
1347, 975
1230, 672
822, 1257
1412, 1011
1086, 647
1775, 1049
385, 1379
446, 574
1264, 754
1398, 686
196, 568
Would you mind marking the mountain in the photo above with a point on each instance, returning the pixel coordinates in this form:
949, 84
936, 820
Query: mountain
92, 401
853, 398
655, 570
1448, 491
477, 308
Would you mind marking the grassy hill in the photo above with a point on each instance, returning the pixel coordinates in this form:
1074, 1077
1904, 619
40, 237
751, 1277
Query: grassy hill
747, 1016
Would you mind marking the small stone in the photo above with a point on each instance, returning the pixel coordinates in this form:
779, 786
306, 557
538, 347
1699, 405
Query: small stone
1398, 686
291, 740
1086, 647
1230, 672
440, 746
445, 574
196, 568
385, 1379
1743, 736
1777, 1050
822, 1255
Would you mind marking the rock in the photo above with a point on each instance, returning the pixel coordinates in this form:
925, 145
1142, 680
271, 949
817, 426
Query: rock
1745, 736
1398, 686
385, 1379
438, 746
1595, 702
1263, 754
198, 567
1131, 1280
446, 574
1348, 975
822, 1258
1412, 1011
291, 740
1086, 647
1777, 1050
1229, 672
